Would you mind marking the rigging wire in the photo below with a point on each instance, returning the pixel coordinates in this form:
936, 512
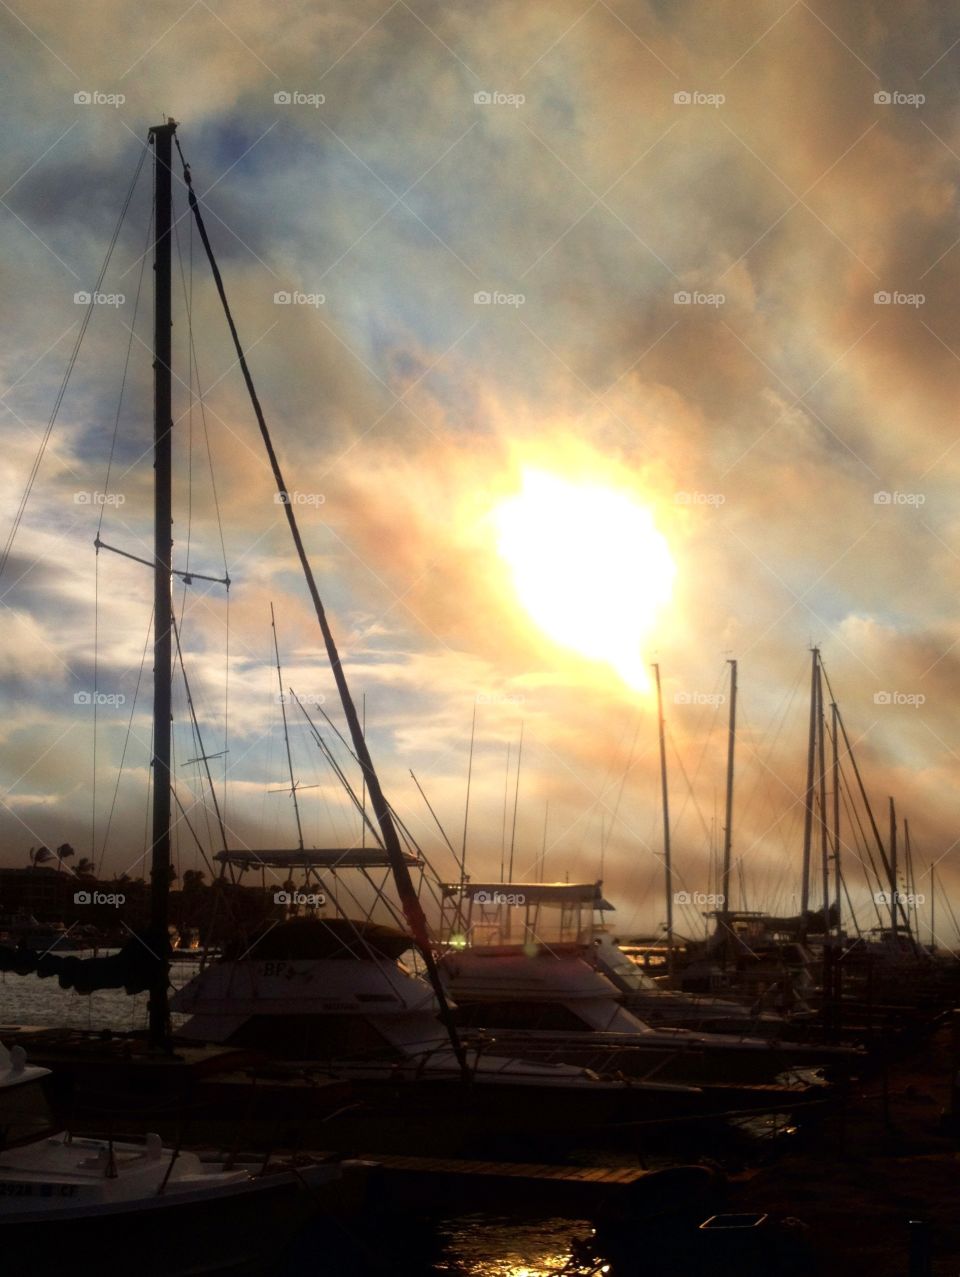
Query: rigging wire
96, 559
38, 460
123, 754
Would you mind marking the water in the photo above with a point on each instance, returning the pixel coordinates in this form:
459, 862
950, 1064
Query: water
469, 1245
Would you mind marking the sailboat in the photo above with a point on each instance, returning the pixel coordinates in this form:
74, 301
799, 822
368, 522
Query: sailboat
377, 1023
61, 1196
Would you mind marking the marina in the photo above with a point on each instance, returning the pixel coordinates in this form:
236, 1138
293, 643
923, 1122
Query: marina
410, 905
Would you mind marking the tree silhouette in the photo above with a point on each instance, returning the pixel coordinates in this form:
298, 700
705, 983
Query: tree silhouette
64, 852
39, 855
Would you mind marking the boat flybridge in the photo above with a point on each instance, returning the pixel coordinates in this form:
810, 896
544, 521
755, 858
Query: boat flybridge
334, 991
63, 1196
522, 961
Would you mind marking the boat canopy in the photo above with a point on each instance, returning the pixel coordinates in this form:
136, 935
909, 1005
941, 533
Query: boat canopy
530, 893
325, 858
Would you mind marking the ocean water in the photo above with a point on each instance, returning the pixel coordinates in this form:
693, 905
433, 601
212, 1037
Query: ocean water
469, 1245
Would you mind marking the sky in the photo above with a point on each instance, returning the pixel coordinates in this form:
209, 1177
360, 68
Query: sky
701, 258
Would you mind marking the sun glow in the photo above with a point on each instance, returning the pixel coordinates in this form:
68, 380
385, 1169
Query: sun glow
588, 565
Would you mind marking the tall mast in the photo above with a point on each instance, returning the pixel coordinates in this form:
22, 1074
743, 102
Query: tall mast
824, 835
728, 819
933, 906
808, 813
159, 1013
665, 797
516, 799
911, 885
466, 805
836, 808
894, 900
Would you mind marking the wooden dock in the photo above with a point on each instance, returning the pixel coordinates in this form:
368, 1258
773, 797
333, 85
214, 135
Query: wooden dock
584, 1191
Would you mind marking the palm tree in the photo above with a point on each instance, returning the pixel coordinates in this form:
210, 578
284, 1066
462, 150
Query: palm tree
64, 852
85, 868
39, 855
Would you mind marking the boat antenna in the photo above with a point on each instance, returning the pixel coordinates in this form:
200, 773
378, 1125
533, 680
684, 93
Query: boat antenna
466, 806
412, 909
286, 729
516, 797
665, 797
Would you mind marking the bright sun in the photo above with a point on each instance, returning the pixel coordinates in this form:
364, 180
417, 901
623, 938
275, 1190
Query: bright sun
588, 565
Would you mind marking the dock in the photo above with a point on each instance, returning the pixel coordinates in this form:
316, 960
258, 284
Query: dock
580, 1191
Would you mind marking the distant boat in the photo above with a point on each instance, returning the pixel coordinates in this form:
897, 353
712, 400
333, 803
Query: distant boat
24, 930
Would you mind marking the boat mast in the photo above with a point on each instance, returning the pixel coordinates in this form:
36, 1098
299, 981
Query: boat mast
933, 905
911, 885
665, 796
159, 1013
835, 767
894, 901
824, 834
466, 805
728, 818
808, 813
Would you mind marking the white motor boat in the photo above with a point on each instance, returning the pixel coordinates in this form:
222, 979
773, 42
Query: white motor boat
70, 1201
522, 963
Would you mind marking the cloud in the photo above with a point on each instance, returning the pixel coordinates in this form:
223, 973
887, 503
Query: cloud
759, 426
